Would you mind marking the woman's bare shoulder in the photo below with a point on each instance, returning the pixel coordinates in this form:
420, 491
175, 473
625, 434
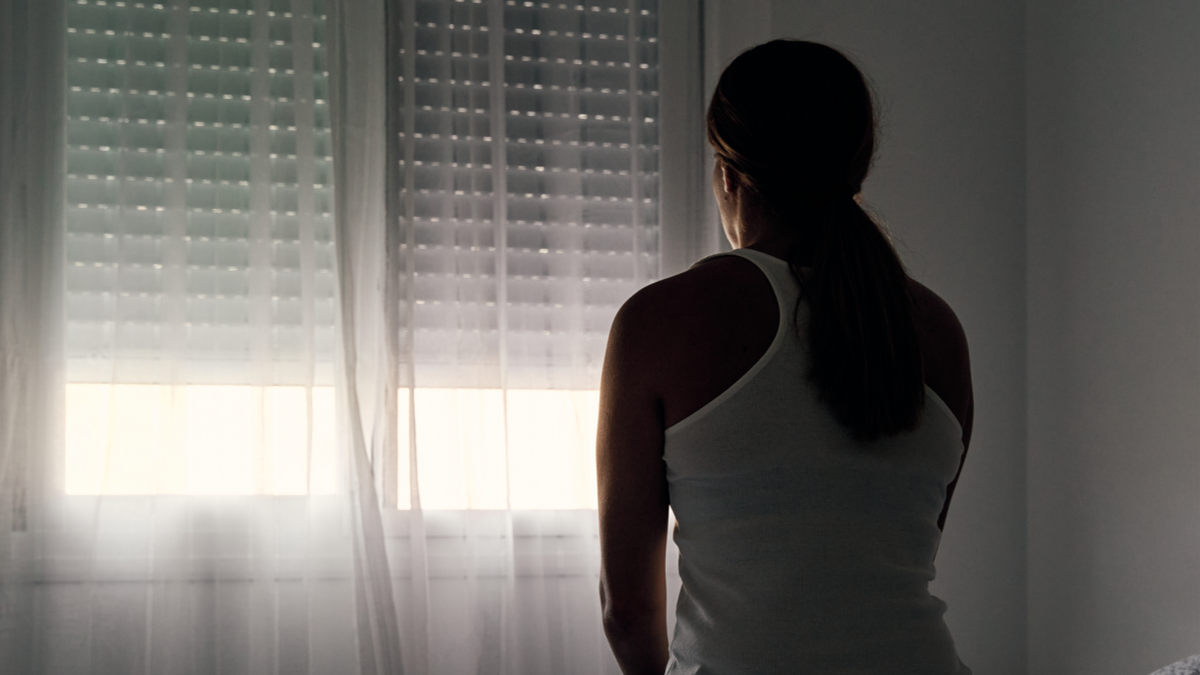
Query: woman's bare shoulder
706, 293
938, 319
689, 336
708, 279
945, 352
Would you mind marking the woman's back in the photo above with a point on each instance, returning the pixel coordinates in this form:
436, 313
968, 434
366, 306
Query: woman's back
809, 470
799, 547
725, 315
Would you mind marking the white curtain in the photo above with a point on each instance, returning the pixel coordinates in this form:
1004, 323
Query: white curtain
513, 183
30, 301
248, 427
189, 504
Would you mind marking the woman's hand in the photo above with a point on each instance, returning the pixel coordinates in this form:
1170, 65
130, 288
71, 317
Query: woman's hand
633, 490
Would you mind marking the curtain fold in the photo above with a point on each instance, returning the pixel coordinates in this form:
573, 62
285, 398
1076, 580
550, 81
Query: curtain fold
31, 154
366, 371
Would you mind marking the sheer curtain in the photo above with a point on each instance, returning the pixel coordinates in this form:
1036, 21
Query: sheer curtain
249, 427
521, 209
30, 299
188, 502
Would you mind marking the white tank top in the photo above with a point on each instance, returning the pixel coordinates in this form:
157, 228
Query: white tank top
802, 550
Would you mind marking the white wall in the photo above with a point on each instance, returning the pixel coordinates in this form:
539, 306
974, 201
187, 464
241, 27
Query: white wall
950, 181
1114, 331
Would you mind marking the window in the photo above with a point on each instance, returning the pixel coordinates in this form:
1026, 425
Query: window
529, 183
200, 279
199, 249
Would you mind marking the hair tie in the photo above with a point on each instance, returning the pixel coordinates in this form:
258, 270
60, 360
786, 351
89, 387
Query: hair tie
841, 192
834, 195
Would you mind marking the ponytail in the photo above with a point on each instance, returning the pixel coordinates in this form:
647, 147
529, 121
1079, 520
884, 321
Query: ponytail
793, 118
864, 354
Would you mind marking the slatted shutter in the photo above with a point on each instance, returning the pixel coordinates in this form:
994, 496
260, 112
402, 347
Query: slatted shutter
529, 145
198, 228
199, 251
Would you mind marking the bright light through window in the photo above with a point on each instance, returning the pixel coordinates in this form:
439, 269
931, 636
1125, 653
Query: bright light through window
238, 440
138, 439
461, 441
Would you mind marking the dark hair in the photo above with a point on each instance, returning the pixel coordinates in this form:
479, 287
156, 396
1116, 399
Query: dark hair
796, 121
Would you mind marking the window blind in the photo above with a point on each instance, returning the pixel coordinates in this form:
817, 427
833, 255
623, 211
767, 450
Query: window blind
198, 226
199, 251
529, 167
199, 236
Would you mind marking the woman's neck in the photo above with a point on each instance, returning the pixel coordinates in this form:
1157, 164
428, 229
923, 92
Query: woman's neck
780, 242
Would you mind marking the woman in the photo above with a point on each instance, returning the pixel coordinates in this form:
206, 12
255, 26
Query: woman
802, 405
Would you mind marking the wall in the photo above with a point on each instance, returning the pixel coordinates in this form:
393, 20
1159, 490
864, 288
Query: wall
950, 181
1113, 169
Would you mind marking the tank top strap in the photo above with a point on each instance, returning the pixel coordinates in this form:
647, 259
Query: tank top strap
777, 271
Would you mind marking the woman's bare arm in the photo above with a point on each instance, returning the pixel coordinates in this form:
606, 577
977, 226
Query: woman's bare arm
947, 367
633, 492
